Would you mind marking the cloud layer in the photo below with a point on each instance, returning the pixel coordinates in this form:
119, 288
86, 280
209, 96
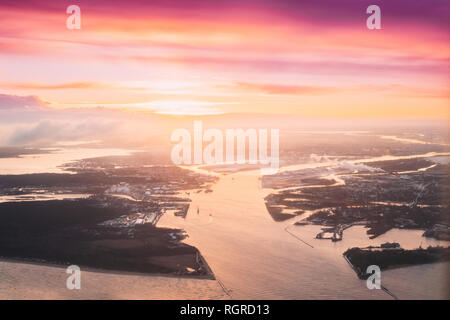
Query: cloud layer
20, 102
309, 58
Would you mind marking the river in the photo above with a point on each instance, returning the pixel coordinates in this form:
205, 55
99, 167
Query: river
254, 257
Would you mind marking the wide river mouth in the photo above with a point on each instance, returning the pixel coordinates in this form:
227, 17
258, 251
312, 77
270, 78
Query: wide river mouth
256, 258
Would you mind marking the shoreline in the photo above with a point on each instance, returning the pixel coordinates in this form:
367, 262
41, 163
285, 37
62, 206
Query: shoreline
386, 290
209, 276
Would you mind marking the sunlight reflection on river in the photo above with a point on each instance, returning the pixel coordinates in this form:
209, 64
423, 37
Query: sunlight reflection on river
51, 162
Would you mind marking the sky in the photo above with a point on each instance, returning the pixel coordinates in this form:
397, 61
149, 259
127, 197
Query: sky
194, 57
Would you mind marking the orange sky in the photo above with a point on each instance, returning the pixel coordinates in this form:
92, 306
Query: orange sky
227, 57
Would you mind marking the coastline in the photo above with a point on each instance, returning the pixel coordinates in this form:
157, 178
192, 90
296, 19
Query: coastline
35, 262
37, 281
382, 287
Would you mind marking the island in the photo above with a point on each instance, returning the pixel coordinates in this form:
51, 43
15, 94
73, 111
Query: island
391, 255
